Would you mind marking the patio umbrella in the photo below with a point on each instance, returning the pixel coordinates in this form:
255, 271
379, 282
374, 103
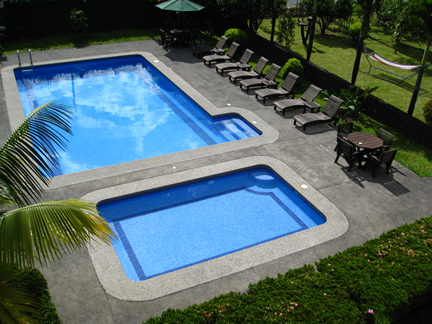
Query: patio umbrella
180, 5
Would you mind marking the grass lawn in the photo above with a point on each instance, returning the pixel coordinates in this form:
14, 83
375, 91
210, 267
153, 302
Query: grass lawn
335, 52
411, 154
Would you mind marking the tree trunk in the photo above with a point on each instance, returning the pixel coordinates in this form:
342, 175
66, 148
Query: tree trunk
419, 79
312, 30
273, 23
357, 60
415, 91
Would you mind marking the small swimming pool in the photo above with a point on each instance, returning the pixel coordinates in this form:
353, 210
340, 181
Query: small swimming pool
194, 226
124, 110
171, 229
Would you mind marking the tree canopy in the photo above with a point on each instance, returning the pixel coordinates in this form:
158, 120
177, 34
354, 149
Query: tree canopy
329, 10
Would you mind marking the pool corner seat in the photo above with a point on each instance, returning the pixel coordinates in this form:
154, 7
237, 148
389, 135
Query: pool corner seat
293, 103
284, 91
327, 115
256, 72
268, 81
242, 64
216, 58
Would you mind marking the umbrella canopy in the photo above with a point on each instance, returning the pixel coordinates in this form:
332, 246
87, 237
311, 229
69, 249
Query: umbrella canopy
180, 5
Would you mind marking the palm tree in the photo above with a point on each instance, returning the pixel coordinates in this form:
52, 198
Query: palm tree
42, 231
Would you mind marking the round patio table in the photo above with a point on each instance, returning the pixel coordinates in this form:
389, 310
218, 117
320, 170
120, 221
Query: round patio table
365, 141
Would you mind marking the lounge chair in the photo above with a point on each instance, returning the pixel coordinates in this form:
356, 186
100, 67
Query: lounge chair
283, 91
268, 81
218, 48
216, 58
242, 64
328, 114
256, 72
203, 49
308, 96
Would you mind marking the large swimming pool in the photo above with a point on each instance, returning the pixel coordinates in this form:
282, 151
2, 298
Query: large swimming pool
124, 110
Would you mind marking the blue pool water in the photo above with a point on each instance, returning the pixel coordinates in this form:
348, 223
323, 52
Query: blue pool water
170, 229
124, 110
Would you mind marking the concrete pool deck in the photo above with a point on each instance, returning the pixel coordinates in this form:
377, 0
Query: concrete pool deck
371, 205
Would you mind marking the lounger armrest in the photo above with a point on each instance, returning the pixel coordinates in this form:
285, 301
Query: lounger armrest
311, 107
269, 83
243, 66
218, 51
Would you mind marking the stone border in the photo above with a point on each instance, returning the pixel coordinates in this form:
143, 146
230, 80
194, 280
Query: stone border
269, 134
115, 281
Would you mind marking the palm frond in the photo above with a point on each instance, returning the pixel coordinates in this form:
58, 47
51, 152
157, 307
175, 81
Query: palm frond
49, 230
26, 156
16, 304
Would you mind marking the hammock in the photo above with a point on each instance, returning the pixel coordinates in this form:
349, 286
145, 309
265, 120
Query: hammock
374, 56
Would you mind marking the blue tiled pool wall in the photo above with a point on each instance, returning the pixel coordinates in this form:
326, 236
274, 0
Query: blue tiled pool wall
260, 182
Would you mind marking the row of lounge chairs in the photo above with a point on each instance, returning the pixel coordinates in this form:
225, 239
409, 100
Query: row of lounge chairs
249, 79
267, 87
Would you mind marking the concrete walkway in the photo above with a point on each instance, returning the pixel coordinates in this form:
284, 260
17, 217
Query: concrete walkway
372, 206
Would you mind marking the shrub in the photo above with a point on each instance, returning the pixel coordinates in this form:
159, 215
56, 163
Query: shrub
427, 112
78, 21
354, 30
237, 35
292, 65
34, 281
354, 98
286, 26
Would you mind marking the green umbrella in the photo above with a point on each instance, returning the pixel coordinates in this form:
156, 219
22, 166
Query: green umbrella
180, 5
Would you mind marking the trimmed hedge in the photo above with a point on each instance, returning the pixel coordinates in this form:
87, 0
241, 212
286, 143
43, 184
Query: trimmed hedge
386, 277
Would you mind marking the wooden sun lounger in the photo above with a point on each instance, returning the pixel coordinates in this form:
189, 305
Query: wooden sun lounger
256, 72
283, 91
242, 64
327, 115
308, 97
262, 82
215, 58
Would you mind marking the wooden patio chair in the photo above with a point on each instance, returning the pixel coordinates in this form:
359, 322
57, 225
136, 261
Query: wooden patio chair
387, 137
385, 157
348, 152
343, 129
